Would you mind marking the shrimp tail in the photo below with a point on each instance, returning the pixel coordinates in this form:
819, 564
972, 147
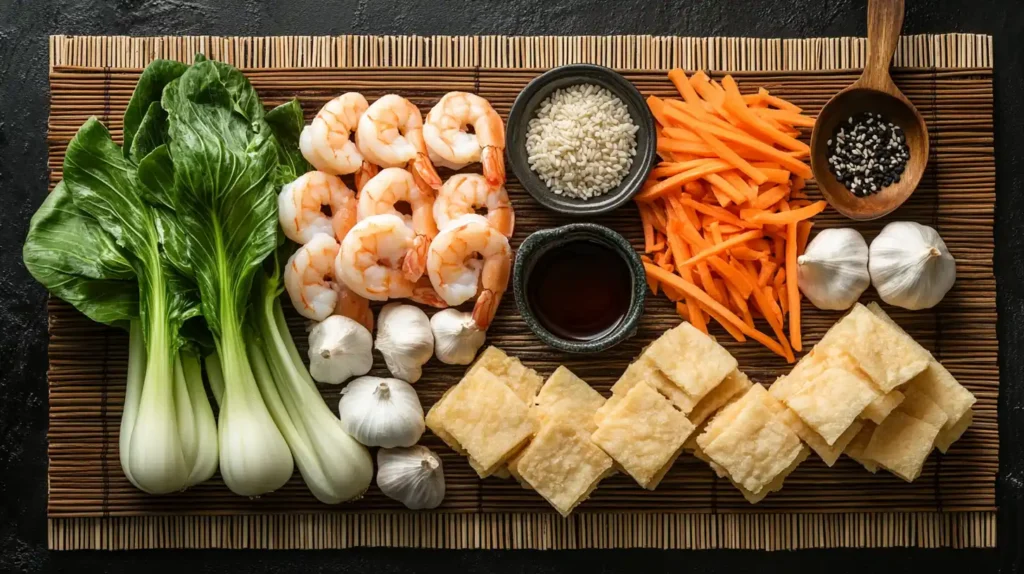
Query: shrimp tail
423, 170
485, 309
365, 173
354, 307
415, 262
423, 292
493, 160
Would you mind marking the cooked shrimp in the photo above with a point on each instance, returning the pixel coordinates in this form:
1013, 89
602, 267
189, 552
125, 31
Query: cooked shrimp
371, 258
326, 142
470, 256
300, 204
450, 145
307, 277
353, 306
387, 189
390, 134
465, 193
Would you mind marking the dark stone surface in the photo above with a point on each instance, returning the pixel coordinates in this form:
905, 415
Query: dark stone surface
24, 27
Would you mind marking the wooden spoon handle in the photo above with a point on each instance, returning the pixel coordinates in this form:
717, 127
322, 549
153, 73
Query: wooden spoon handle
885, 19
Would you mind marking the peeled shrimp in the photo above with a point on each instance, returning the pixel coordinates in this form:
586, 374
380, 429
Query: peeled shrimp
300, 207
307, 277
390, 134
381, 194
450, 145
371, 257
470, 256
325, 143
465, 193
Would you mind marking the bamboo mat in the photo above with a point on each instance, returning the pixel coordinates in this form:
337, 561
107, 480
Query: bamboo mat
949, 77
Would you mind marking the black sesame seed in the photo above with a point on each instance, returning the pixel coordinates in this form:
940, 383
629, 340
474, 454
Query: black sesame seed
874, 157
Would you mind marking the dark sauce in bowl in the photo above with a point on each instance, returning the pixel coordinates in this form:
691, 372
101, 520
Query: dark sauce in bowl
580, 290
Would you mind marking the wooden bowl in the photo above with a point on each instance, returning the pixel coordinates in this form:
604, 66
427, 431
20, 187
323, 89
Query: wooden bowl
873, 92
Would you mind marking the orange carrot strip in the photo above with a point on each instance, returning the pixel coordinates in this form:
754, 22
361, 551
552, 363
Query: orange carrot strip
716, 235
767, 306
776, 175
759, 245
732, 277
719, 213
747, 254
681, 132
765, 275
691, 216
658, 221
720, 196
734, 104
780, 293
645, 221
726, 188
779, 250
792, 288
728, 326
665, 186
779, 102
659, 246
783, 218
671, 145
683, 311
652, 284
695, 189
728, 228
704, 272
681, 252
682, 84
727, 244
803, 232
696, 123
786, 117
707, 302
657, 105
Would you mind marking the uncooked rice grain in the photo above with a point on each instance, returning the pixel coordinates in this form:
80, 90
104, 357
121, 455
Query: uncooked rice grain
582, 141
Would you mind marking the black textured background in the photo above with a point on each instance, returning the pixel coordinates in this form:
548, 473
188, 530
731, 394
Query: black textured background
24, 28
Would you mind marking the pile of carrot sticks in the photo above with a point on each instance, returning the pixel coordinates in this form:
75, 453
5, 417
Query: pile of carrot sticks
724, 214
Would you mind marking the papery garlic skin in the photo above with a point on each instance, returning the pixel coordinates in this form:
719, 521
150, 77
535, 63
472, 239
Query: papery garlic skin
910, 266
413, 476
833, 271
456, 337
381, 412
405, 340
339, 349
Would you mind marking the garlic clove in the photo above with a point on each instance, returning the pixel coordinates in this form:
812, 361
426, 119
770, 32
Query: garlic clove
339, 349
833, 271
405, 340
456, 337
413, 476
910, 265
381, 412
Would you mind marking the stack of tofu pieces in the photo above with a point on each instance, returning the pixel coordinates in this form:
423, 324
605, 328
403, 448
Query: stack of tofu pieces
869, 390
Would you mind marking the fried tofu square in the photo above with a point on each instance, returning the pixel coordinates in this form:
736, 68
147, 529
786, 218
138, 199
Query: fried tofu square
524, 381
735, 384
901, 444
948, 436
831, 401
562, 464
855, 449
644, 434
695, 362
886, 353
435, 422
487, 419
750, 441
773, 486
644, 370
882, 406
569, 398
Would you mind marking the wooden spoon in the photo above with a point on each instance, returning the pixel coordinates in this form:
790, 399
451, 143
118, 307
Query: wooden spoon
873, 92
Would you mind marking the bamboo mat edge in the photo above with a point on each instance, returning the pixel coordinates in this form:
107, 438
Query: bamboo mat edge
523, 530
640, 52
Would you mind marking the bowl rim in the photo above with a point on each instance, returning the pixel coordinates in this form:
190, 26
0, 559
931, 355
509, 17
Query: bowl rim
646, 138
627, 326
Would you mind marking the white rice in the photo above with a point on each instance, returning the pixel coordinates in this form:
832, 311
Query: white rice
582, 141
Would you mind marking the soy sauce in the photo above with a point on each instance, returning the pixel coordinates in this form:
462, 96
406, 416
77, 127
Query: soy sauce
580, 291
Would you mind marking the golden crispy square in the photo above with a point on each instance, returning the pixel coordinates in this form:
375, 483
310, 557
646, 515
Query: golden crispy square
888, 355
521, 379
643, 370
901, 444
435, 422
607, 407
828, 453
643, 433
735, 384
882, 406
923, 408
773, 486
695, 362
487, 418
569, 398
949, 435
831, 401
562, 465
855, 449
936, 381
756, 445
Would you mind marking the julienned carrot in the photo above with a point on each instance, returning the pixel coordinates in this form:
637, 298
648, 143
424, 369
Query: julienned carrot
792, 290
778, 102
786, 117
765, 275
681, 252
734, 104
696, 123
667, 185
678, 78
645, 220
707, 302
727, 325
732, 276
726, 188
803, 232
747, 254
723, 246
783, 218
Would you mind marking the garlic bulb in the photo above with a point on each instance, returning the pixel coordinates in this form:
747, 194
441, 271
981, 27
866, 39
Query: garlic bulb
910, 265
405, 340
412, 476
381, 412
456, 337
833, 271
339, 349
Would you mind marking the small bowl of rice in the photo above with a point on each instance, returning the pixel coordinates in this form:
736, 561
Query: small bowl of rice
580, 139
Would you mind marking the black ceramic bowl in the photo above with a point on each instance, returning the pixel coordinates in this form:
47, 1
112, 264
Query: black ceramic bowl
524, 109
539, 243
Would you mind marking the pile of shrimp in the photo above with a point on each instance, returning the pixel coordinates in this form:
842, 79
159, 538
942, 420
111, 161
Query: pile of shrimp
359, 246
